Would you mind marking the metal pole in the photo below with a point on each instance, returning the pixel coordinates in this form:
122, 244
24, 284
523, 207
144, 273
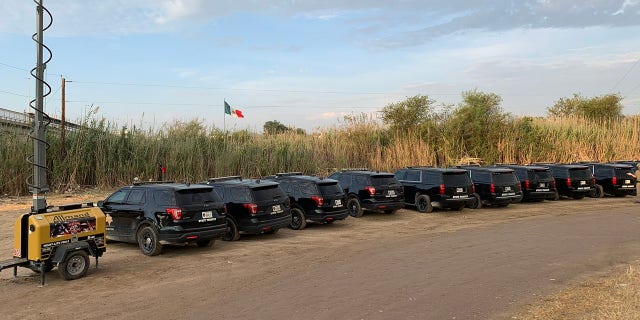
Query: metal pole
39, 156
63, 130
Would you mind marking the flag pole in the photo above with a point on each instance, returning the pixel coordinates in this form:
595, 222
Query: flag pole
224, 116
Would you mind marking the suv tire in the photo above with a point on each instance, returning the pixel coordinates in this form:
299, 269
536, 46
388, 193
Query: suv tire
148, 241
476, 202
354, 207
298, 219
75, 265
423, 203
232, 234
598, 192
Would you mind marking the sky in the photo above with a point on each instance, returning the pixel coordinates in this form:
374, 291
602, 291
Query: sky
308, 63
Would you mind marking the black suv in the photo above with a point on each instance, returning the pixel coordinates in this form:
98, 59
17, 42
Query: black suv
370, 190
253, 206
572, 180
613, 179
153, 213
427, 187
494, 186
312, 198
537, 182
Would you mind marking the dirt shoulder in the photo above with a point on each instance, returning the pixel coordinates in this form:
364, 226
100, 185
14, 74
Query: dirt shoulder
128, 284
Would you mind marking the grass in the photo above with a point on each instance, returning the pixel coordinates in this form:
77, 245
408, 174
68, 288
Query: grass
107, 156
615, 295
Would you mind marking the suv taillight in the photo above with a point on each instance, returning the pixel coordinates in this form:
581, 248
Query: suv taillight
370, 189
614, 180
526, 184
252, 207
175, 213
442, 188
473, 188
492, 188
224, 211
319, 200
568, 182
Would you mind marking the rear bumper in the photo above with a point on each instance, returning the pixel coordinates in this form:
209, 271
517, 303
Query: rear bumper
496, 199
177, 234
537, 195
452, 202
319, 215
370, 204
257, 227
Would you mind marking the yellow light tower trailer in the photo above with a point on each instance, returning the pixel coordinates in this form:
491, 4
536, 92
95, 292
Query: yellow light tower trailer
49, 237
62, 237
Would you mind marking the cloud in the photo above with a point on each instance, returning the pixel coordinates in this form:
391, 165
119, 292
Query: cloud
396, 23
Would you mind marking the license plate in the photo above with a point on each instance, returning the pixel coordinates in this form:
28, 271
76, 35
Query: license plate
543, 185
459, 190
276, 209
507, 188
627, 182
207, 214
391, 193
582, 183
338, 204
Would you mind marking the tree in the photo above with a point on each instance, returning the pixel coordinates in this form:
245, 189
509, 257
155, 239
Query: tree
479, 122
596, 108
410, 113
274, 127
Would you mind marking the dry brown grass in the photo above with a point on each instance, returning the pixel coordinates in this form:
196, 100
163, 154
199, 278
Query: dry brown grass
615, 295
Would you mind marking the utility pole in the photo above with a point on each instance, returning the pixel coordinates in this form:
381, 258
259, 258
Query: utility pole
63, 130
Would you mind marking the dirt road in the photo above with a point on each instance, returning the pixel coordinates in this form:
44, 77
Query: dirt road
475, 264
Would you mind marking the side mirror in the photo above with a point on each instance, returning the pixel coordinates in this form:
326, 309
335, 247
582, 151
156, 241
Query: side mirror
100, 203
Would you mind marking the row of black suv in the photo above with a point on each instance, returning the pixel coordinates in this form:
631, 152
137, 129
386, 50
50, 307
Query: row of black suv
153, 213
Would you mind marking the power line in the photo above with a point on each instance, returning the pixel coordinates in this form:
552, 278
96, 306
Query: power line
27, 70
213, 105
625, 75
230, 89
15, 94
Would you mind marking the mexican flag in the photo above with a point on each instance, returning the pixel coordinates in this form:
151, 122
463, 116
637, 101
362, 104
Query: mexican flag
232, 112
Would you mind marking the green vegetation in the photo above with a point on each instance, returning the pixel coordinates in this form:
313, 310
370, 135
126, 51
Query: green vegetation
412, 132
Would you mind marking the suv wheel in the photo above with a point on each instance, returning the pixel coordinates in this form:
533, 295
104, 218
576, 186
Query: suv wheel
423, 203
232, 233
148, 241
298, 219
598, 192
476, 202
355, 209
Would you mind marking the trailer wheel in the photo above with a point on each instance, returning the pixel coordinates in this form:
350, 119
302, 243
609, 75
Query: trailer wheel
148, 241
74, 266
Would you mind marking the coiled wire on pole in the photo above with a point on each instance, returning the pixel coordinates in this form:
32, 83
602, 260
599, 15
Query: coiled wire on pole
37, 181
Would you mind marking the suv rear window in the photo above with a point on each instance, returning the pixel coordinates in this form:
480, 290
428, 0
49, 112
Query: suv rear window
330, 188
456, 179
267, 193
580, 173
622, 172
164, 197
540, 175
382, 180
504, 177
196, 196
